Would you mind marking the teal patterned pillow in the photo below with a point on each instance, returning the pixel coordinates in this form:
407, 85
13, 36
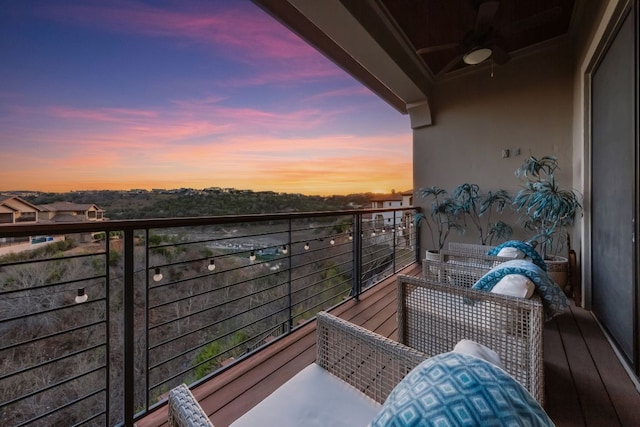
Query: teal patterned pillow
554, 301
454, 389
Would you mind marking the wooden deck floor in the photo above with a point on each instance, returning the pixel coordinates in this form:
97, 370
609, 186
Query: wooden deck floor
586, 385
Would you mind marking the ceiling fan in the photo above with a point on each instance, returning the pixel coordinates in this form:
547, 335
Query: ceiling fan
478, 44
483, 41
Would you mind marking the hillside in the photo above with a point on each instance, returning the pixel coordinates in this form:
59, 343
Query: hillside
140, 204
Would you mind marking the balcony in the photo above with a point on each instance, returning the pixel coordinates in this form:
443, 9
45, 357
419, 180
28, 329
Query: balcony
97, 333
585, 384
98, 326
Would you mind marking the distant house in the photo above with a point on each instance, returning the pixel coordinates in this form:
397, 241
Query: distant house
70, 212
15, 210
393, 200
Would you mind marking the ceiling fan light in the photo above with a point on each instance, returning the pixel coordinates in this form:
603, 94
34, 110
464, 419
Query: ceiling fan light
476, 56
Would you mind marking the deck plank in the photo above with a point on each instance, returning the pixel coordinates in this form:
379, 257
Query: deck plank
585, 383
594, 399
562, 403
623, 394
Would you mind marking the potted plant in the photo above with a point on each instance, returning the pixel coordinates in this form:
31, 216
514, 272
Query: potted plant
547, 210
478, 206
442, 217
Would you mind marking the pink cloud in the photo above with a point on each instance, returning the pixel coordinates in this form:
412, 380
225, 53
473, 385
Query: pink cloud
340, 93
114, 115
241, 33
245, 32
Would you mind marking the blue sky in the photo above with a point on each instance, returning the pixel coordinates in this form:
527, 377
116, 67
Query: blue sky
166, 94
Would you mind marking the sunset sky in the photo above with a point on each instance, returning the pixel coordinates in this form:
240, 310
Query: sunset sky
165, 94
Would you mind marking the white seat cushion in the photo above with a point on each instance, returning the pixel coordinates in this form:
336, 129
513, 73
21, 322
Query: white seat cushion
313, 397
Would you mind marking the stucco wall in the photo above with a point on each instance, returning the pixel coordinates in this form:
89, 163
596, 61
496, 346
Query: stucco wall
527, 105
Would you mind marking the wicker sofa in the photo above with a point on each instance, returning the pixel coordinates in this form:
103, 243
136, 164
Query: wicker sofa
469, 248
436, 312
354, 372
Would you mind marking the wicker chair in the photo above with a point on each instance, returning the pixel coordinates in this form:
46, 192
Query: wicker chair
184, 410
475, 263
369, 362
437, 312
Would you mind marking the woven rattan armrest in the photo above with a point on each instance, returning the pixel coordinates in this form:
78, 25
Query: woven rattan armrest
184, 410
433, 317
369, 362
459, 268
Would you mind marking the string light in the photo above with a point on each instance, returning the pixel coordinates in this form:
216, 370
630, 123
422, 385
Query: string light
157, 276
82, 296
306, 246
350, 236
384, 229
212, 265
252, 256
284, 249
373, 233
332, 241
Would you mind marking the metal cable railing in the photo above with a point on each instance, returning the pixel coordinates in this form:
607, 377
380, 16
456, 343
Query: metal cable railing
95, 328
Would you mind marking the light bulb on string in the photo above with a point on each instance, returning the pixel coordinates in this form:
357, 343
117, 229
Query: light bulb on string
212, 265
384, 229
373, 233
332, 241
157, 276
81, 297
252, 256
284, 249
350, 236
306, 246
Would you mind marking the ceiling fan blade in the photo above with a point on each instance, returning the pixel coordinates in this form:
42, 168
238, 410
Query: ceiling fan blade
455, 61
534, 21
486, 13
499, 55
438, 48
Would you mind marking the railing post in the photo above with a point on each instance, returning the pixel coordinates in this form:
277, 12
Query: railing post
107, 279
417, 236
356, 285
129, 331
289, 298
393, 236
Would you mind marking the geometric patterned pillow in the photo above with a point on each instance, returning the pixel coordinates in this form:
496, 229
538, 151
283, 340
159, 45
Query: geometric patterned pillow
454, 389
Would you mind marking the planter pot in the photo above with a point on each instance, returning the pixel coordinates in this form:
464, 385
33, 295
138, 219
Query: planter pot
433, 255
435, 271
558, 270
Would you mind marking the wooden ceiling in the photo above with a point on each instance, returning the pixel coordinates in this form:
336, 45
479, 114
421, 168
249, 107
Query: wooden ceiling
450, 28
